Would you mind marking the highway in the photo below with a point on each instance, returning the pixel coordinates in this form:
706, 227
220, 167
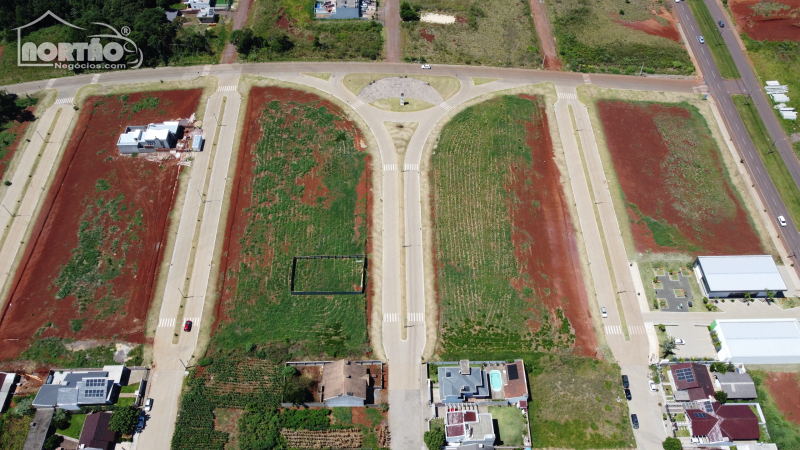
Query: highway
741, 139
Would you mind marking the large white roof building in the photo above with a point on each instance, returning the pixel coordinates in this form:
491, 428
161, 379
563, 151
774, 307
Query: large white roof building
757, 341
732, 276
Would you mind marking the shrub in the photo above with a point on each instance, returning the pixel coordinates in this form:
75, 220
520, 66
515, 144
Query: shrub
61, 419
124, 420
434, 439
672, 443
24, 407
408, 12
721, 396
53, 442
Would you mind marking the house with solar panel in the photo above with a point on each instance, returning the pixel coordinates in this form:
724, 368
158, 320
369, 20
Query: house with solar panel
491, 382
716, 424
691, 382
70, 389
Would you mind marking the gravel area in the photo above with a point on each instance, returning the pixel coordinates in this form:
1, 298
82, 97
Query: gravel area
392, 87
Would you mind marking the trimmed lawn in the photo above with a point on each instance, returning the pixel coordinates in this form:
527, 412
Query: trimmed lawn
75, 426
126, 401
129, 389
711, 32
510, 424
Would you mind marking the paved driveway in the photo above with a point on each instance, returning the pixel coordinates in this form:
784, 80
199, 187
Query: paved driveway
698, 341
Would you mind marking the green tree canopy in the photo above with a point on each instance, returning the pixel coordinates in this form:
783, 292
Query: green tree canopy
721, 396
124, 420
408, 12
435, 439
672, 443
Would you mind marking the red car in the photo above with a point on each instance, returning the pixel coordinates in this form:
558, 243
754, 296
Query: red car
187, 326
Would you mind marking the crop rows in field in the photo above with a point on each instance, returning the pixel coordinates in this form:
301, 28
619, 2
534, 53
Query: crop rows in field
502, 285
351, 438
328, 275
298, 195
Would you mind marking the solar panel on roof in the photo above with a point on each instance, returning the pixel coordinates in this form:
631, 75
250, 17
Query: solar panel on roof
95, 382
700, 415
512, 372
94, 393
709, 408
685, 375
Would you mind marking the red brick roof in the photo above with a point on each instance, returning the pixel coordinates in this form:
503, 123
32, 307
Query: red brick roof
517, 384
699, 389
736, 422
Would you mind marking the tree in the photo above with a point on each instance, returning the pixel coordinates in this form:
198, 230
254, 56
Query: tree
668, 346
61, 419
721, 396
435, 439
24, 407
672, 443
719, 367
408, 12
53, 442
124, 420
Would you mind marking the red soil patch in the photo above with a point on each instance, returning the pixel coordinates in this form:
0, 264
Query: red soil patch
313, 187
425, 35
781, 25
785, 389
543, 236
460, 19
238, 218
283, 21
637, 163
651, 26
146, 186
19, 129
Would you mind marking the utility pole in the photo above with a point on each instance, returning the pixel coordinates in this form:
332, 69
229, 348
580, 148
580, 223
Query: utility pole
641, 70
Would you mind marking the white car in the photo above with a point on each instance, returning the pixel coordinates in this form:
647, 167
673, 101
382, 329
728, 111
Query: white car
701, 39
148, 405
782, 221
603, 312
680, 342
652, 386
426, 66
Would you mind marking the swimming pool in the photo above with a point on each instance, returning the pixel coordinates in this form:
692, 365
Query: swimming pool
496, 380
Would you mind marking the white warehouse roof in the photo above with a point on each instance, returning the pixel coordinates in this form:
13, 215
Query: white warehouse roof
741, 273
760, 338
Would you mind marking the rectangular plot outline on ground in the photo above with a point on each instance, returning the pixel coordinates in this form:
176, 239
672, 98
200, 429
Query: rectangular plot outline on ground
363, 275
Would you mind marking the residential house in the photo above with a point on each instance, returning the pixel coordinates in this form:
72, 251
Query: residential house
197, 4
716, 423
466, 427
96, 434
459, 384
71, 389
8, 383
207, 15
692, 382
150, 138
344, 384
738, 386
515, 387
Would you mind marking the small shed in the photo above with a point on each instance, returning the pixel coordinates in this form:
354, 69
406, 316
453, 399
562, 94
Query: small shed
197, 143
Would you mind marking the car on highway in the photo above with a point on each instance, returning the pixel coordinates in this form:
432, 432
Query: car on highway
680, 342
782, 221
603, 312
635, 421
187, 326
652, 386
625, 383
426, 66
721, 24
701, 39
148, 405
628, 394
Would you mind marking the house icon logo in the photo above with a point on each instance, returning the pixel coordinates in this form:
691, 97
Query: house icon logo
79, 55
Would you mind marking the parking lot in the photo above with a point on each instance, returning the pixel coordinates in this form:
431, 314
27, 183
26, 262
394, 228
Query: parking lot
698, 341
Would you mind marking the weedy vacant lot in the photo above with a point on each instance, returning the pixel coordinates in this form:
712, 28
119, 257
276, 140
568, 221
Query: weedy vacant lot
89, 270
603, 36
777, 394
301, 189
507, 270
574, 404
774, 20
492, 33
16, 114
678, 193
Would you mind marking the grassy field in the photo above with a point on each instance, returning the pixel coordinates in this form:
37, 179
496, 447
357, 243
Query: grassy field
481, 312
788, 190
328, 275
492, 33
14, 431
510, 424
711, 32
75, 426
778, 61
301, 199
784, 434
446, 86
589, 39
574, 404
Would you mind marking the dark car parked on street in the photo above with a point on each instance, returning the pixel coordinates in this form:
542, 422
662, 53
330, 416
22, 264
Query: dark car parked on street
635, 421
625, 382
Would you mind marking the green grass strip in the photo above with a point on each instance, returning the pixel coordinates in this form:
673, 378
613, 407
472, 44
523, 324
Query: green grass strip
784, 183
712, 33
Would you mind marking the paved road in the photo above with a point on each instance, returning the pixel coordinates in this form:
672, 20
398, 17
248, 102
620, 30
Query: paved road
741, 139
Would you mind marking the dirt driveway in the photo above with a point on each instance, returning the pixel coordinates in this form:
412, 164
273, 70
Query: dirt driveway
545, 32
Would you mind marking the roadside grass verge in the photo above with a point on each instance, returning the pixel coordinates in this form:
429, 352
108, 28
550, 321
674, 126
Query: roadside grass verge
574, 404
778, 61
711, 32
783, 433
778, 172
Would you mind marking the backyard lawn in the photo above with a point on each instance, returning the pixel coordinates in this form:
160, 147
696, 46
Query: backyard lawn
75, 426
510, 424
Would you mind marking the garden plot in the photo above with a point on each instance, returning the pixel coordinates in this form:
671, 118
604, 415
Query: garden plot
618, 37
90, 269
677, 190
302, 188
507, 272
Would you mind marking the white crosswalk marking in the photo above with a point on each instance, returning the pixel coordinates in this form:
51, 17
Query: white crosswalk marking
446, 106
358, 104
636, 329
389, 167
195, 320
64, 101
416, 317
166, 322
390, 317
613, 329
411, 167
564, 96
226, 88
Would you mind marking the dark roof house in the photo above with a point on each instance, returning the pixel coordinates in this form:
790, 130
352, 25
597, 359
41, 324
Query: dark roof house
95, 432
721, 423
344, 384
457, 384
71, 389
738, 386
692, 382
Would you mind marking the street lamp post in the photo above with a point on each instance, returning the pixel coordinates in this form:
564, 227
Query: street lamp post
774, 145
